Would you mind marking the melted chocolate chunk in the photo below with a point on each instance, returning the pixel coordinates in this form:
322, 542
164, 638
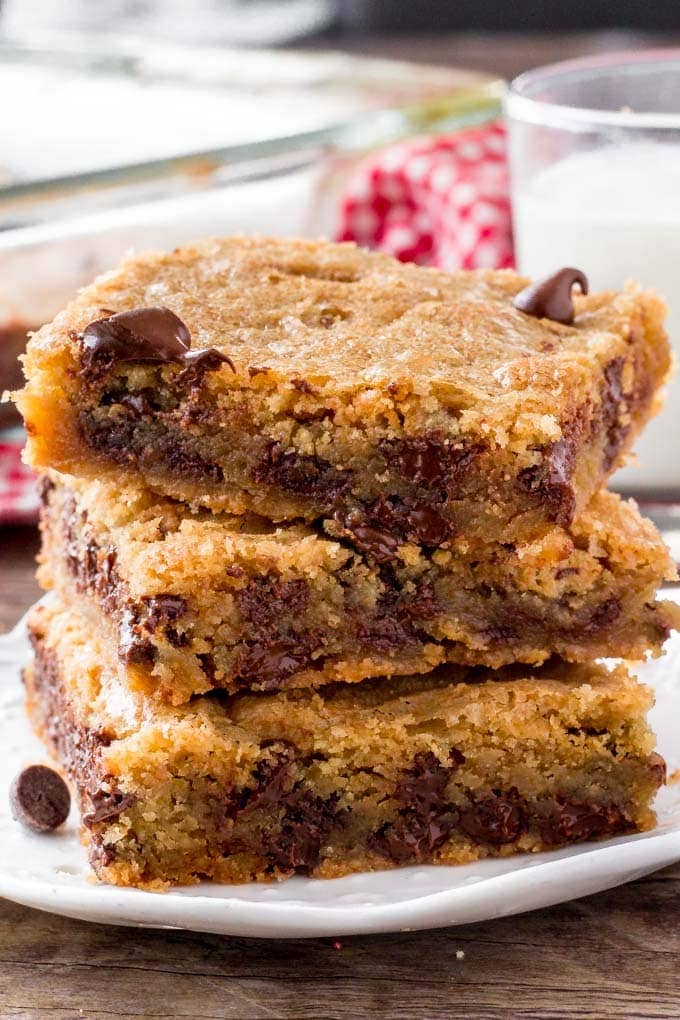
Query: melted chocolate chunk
378, 544
106, 806
133, 648
613, 401
551, 480
301, 474
269, 664
572, 820
378, 529
273, 779
392, 625
140, 403
606, 614
143, 334
551, 297
45, 488
163, 610
428, 460
426, 818
266, 602
39, 799
305, 826
298, 821
154, 335
197, 363
124, 443
497, 819
658, 768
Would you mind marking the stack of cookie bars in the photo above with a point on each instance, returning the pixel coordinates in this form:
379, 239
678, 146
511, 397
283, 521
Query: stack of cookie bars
333, 562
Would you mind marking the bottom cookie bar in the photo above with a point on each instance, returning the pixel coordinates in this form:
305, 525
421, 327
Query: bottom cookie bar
443, 768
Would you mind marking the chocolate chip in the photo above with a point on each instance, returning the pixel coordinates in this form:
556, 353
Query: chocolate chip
551, 481
378, 529
162, 610
378, 544
133, 648
602, 618
266, 602
269, 664
197, 363
154, 335
612, 398
39, 798
551, 297
426, 819
572, 820
298, 820
497, 819
658, 768
305, 826
430, 460
301, 474
106, 806
142, 334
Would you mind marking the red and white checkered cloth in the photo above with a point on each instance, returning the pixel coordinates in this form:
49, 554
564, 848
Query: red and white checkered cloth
435, 201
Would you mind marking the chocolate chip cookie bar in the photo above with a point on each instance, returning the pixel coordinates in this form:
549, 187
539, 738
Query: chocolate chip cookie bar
445, 768
299, 379
193, 600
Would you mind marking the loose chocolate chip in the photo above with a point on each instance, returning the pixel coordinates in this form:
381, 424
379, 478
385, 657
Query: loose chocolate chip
551, 298
572, 820
496, 819
40, 798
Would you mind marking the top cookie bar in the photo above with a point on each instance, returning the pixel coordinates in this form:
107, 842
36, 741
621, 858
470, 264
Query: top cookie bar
300, 379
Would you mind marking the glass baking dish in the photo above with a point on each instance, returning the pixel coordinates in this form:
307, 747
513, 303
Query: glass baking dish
140, 145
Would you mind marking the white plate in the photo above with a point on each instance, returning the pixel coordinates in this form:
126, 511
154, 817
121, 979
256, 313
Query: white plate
50, 872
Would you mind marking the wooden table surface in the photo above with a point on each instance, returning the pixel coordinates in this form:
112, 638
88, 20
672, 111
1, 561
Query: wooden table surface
612, 955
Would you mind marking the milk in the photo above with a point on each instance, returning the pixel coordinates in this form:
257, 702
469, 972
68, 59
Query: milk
614, 213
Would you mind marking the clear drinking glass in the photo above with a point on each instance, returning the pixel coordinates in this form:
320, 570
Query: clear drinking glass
595, 163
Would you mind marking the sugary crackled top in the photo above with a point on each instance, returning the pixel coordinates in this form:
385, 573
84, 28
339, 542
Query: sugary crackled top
341, 318
532, 702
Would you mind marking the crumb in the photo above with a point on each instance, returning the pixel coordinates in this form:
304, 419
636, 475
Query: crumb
460, 954
337, 944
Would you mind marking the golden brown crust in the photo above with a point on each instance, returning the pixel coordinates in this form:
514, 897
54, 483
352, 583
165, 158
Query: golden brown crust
339, 352
447, 768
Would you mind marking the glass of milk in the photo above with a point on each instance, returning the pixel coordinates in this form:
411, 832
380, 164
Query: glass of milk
595, 163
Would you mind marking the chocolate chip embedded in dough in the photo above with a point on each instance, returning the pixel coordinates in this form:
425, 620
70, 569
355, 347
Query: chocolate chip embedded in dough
142, 334
551, 297
40, 799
